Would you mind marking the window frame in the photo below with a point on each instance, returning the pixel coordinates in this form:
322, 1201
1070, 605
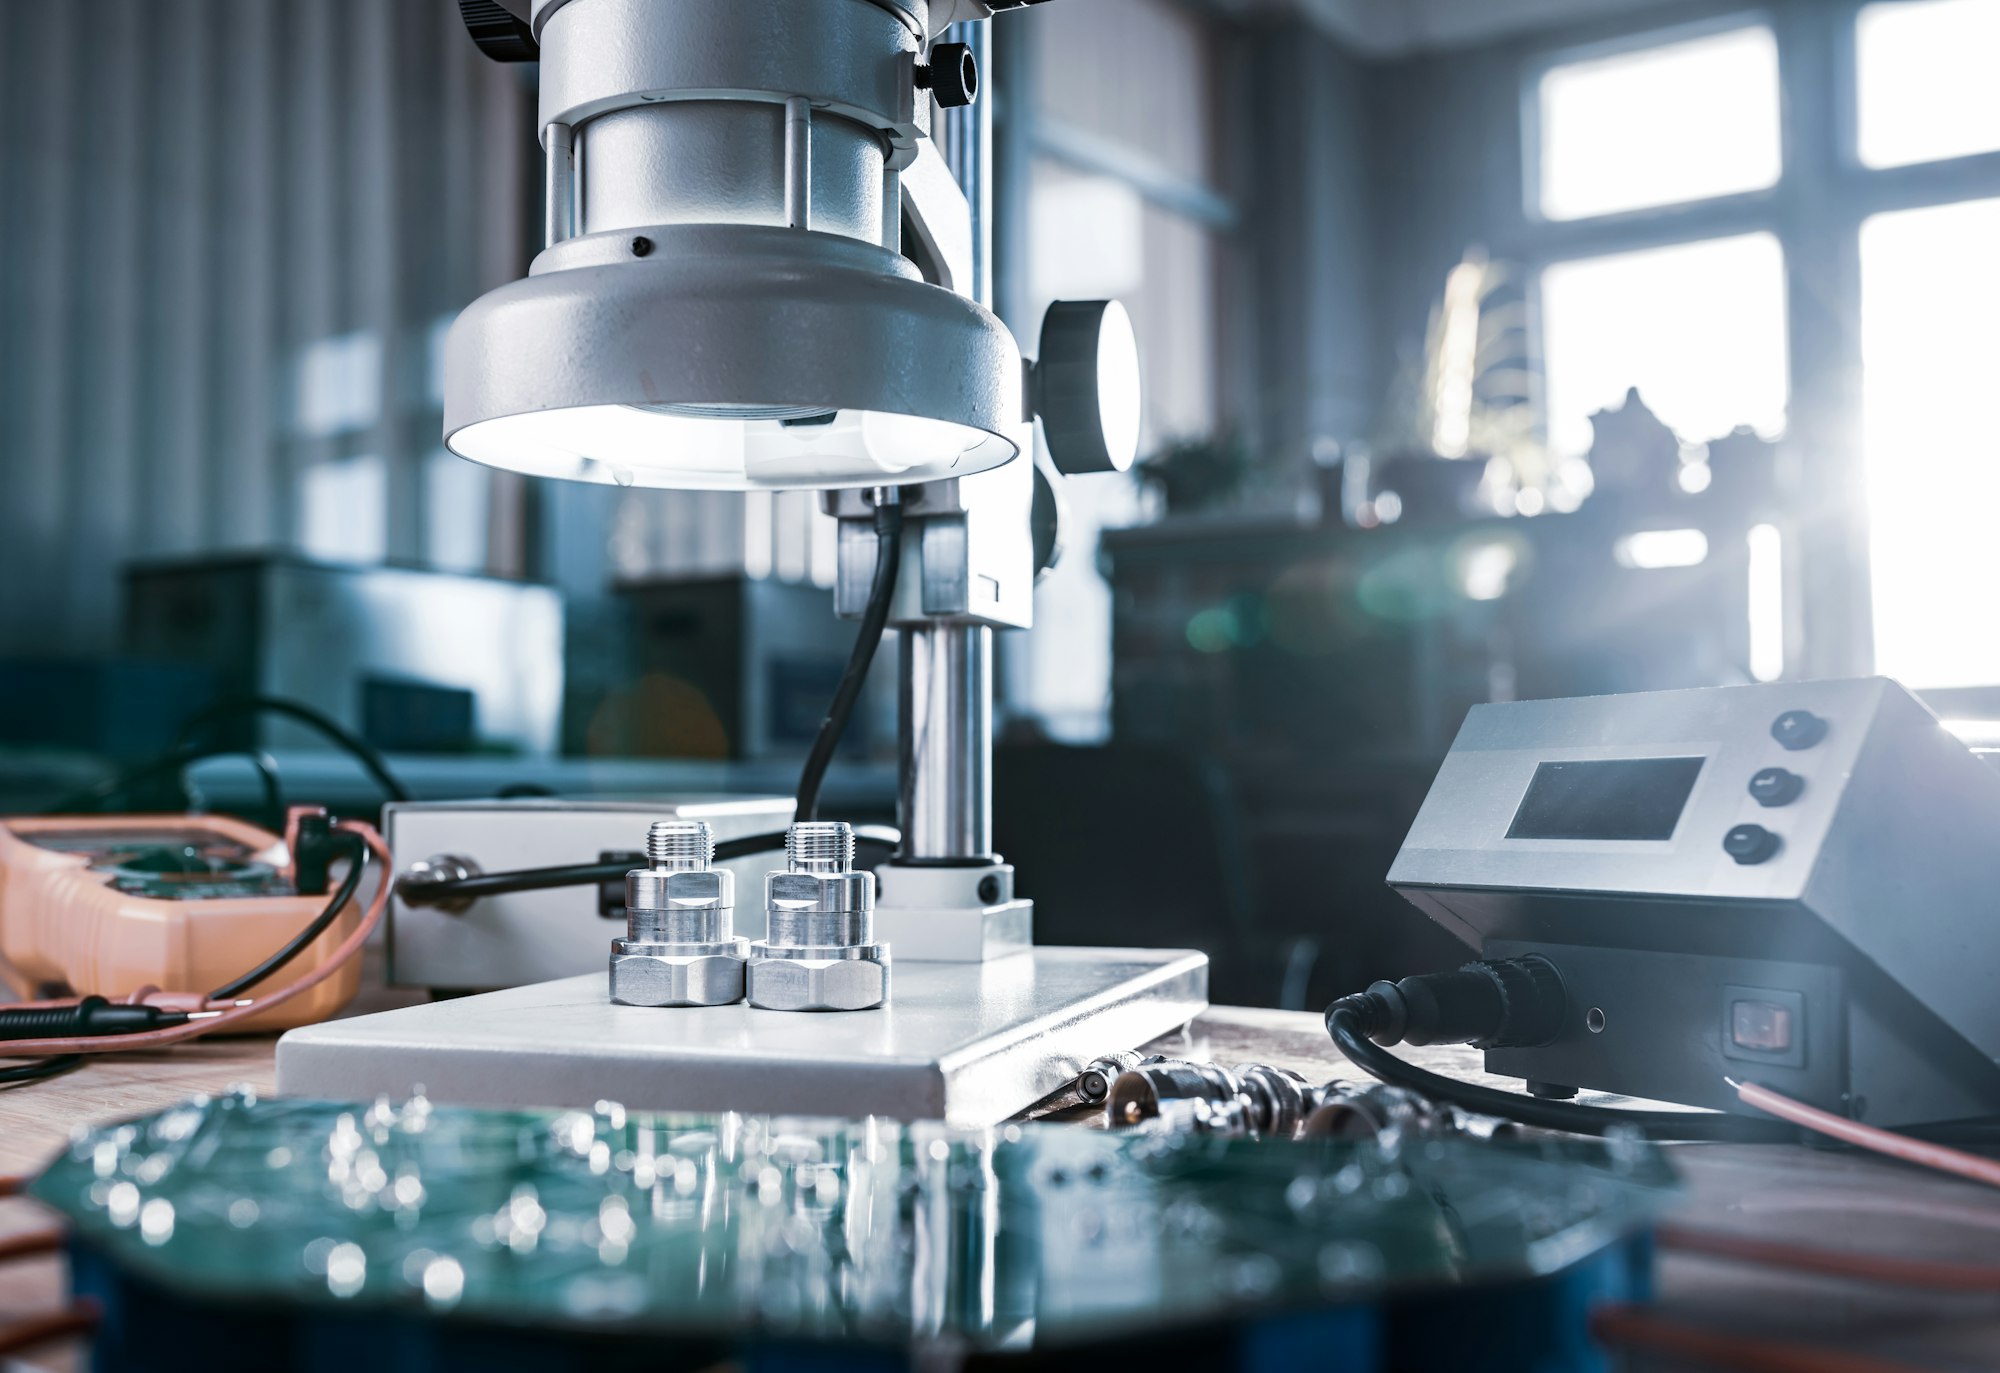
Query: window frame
1627, 44
1816, 209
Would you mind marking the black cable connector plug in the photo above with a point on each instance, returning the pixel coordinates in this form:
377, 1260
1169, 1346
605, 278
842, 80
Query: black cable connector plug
313, 850
1494, 1004
91, 1016
1503, 1003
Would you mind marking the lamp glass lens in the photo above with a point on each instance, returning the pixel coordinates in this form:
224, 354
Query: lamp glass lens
730, 448
1118, 386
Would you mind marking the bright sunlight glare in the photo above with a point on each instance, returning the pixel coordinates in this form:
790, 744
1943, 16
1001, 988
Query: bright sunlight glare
1930, 304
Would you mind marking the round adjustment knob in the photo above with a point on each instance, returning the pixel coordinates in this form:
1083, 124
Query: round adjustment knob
1085, 386
1776, 787
952, 76
1797, 729
1749, 844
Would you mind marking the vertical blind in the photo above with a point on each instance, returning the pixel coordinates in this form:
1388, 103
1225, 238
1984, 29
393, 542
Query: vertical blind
229, 233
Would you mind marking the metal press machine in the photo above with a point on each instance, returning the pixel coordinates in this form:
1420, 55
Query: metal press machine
763, 271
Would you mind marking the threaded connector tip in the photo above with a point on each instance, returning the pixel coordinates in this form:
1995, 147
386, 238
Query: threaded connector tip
820, 846
683, 844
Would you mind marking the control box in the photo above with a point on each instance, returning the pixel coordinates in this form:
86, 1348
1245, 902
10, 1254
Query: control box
1791, 882
533, 936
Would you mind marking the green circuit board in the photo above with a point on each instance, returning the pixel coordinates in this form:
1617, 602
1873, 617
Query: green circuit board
171, 864
864, 1229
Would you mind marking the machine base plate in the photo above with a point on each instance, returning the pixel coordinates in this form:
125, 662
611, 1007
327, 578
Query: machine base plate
967, 1043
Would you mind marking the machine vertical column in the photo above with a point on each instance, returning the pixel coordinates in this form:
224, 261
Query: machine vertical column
944, 795
945, 738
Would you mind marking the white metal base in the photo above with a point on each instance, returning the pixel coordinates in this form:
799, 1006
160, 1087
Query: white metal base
951, 915
967, 1043
959, 934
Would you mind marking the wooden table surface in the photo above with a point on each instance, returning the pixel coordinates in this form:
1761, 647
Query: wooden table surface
1842, 1201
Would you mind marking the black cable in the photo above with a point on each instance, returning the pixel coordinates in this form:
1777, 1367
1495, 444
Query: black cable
1344, 1023
884, 839
363, 752
93, 1015
91, 798
874, 620
40, 1069
230, 990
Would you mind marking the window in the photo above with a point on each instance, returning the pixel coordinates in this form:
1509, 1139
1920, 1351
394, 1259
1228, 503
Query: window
1681, 121
457, 512
1120, 204
345, 510
1699, 328
339, 385
1929, 296
1926, 79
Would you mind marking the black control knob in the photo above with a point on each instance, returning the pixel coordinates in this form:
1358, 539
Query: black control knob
1776, 787
1798, 729
1749, 844
952, 76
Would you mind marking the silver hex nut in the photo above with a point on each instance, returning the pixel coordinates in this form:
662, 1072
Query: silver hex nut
649, 975
855, 979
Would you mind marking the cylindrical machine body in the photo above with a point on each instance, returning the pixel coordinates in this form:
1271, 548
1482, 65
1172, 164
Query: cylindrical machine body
727, 115
945, 744
725, 162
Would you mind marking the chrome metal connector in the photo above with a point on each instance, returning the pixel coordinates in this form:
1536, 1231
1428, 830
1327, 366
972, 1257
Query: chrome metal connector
680, 946
819, 951
1253, 1099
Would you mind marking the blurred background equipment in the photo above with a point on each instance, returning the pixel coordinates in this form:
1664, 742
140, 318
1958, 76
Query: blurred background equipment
122, 905
412, 660
727, 667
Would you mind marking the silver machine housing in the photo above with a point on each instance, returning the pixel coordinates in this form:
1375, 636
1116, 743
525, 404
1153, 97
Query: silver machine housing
1790, 882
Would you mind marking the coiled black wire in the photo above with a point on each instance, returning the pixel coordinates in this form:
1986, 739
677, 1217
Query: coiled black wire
1344, 1022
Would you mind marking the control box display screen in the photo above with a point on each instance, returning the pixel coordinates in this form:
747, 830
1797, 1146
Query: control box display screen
1613, 798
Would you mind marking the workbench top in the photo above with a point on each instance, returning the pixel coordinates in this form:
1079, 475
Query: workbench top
1847, 1202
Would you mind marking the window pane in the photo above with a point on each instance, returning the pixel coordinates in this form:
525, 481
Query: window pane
1679, 122
1928, 86
457, 512
1699, 328
345, 516
1929, 296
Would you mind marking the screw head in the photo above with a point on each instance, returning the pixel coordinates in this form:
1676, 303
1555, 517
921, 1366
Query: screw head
641, 246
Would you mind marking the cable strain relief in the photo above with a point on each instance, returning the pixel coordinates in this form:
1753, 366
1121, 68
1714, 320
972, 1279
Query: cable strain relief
1380, 1013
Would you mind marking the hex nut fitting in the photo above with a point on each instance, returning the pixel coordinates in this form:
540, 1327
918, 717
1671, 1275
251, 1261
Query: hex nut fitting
680, 947
819, 952
666, 975
853, 979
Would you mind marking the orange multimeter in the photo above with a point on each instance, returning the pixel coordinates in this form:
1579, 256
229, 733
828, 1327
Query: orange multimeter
106, 905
